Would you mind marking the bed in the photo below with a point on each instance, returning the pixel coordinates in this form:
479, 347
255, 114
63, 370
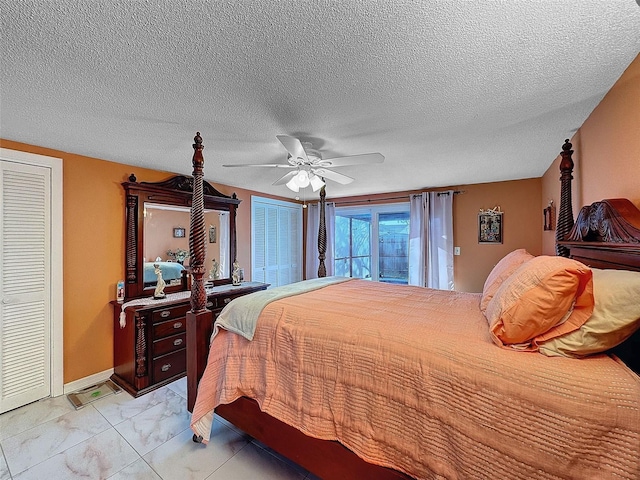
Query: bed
356, 379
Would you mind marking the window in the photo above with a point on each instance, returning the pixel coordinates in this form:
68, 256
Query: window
373, 243
276, 241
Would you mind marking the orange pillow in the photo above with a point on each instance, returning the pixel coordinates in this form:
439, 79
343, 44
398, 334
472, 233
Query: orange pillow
503, 270
544, 298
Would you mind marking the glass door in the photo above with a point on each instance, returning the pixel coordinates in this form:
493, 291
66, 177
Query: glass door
358, 255
353, 245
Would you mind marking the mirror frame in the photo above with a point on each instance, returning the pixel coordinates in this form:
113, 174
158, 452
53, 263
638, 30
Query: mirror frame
176, 190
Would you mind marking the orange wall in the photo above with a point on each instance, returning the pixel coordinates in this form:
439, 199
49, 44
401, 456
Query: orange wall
93, 243
607, 152
522, 225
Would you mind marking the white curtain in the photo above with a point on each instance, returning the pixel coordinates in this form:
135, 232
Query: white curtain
431, 240
418, 235
440, 243
313, 224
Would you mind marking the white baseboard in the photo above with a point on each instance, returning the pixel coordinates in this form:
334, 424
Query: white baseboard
87, 381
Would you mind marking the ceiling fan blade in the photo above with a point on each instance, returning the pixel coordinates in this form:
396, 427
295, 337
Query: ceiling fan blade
271, 165
352, 160
331, 175
288, 176
294, 147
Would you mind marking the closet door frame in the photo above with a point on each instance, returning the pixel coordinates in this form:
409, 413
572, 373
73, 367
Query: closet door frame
56, 257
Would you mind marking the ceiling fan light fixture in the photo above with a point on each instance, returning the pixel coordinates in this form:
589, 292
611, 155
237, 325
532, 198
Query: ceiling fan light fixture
307, 167
316, 182
293, 185
302, 179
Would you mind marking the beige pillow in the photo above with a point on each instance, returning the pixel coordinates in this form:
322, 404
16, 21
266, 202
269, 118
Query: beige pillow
545, 297
616, 316
503, 270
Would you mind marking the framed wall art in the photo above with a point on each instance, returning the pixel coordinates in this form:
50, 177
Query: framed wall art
549, 214
213, 237
490, 226
179, 232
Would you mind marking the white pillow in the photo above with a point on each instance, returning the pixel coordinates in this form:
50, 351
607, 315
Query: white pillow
615, 317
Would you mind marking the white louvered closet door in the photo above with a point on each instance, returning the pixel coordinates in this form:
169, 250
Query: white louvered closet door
276, 231
25, 277
265, 244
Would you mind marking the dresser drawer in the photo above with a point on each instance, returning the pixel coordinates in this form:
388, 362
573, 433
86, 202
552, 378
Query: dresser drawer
169, 344
170, 312
169, 327
223, 300
170, 365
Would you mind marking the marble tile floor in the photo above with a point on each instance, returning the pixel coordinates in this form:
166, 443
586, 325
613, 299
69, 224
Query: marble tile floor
119, 437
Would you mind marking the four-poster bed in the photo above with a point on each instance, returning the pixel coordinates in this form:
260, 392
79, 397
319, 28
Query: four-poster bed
445, 419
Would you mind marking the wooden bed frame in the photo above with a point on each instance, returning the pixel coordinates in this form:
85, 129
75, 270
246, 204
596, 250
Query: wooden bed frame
605, 235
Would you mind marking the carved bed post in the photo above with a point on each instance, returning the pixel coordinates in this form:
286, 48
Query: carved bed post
197, 249
199, 318
322, 235
565, 215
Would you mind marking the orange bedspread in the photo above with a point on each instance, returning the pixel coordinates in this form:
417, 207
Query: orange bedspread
409, 378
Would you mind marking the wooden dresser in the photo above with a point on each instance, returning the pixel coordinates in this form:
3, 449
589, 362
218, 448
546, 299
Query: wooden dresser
150, 349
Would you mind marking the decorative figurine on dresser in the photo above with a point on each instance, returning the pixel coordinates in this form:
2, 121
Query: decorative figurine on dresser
150, 333
160, 283
236, 275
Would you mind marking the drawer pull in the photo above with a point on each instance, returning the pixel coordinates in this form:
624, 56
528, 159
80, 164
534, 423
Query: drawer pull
177, 341
166, 367
177, 325
165, 313
226, 300
209, 304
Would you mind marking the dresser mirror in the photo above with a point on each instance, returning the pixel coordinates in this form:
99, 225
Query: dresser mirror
157, 234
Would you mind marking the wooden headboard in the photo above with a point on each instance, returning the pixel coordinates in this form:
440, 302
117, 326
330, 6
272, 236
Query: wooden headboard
605, 235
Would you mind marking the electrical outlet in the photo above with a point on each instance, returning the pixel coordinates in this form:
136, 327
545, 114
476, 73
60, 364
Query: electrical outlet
456, 250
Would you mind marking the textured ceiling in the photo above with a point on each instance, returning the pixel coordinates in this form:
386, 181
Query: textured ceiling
449, 91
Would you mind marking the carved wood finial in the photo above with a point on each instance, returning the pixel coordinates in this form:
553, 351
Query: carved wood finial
566, 164
565, 214
198, 159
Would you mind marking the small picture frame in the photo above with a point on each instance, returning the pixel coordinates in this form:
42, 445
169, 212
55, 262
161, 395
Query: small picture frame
179, 232
490, 227
213, 237
120, 291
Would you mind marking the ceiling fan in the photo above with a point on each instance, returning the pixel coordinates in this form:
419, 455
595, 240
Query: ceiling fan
309, 168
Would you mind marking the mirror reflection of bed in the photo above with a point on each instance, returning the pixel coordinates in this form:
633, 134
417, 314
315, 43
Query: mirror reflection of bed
160, 220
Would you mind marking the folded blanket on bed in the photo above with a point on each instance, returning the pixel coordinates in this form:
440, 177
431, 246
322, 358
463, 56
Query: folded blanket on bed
240, 316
